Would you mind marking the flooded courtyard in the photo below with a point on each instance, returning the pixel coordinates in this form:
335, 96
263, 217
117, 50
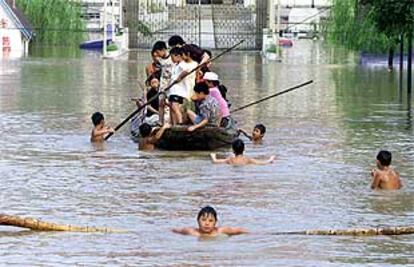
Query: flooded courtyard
325, 137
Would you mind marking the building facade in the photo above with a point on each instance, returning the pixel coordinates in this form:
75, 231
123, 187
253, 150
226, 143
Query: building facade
15, 31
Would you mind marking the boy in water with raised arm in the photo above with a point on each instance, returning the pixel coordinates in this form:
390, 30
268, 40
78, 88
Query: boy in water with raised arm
385, 177
100, 130
239, 158
149, 137
257, 135
207, 220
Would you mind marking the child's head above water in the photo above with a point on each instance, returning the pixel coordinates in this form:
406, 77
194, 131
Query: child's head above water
207, 219
97, 118
238, 147
145, 129
384, 157
259, 131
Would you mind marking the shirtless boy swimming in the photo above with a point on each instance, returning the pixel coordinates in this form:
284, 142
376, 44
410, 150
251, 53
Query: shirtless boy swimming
207, 220
239, 158
385, 177
149, 137
257, 134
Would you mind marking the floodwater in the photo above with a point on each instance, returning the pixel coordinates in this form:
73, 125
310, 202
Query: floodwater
325, 137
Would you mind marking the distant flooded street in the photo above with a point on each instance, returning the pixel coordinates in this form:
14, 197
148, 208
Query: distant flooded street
325, 137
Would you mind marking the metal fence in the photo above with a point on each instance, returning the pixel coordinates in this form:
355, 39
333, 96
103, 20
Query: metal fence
212, 26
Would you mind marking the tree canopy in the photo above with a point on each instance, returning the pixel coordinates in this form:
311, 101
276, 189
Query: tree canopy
55, 22
369, 25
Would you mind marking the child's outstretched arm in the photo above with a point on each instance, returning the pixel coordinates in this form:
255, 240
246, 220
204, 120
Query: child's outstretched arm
186, 231
244, 132
161, 131
96, 133
217, 161
233, 230
263, 162
196, 126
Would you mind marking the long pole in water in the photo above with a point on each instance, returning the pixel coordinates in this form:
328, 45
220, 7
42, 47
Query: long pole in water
400, 230
271, 96
169, 87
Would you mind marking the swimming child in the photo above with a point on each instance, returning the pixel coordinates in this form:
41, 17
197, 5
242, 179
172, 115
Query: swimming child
239, 158
149, 137
385, 177
207, 220
99, 130
257, 135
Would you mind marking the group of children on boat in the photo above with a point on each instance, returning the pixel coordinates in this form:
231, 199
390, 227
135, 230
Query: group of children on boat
195, 96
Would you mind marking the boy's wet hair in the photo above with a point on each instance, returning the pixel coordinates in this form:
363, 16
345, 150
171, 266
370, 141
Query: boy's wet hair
238, 147
261, 128
384, 157
159, 45
177, 51
145, 129
175, 40
97, 117
201, 88
207, 210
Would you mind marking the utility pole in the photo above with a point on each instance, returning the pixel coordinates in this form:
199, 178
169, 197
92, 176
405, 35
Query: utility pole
113, 20
121, 15
104, 27
278, 28
271, 12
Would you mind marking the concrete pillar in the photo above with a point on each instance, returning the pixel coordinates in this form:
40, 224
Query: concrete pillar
271, 14
261, 21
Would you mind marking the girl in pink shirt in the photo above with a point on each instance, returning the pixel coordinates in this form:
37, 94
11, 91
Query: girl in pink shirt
211, 79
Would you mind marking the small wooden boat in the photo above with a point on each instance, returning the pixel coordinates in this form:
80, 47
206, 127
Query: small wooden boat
179, 138
206, 138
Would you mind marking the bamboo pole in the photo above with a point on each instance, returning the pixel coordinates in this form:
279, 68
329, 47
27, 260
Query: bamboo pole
37, 225
356, 231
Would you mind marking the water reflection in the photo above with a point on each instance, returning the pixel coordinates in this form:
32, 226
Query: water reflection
326, 137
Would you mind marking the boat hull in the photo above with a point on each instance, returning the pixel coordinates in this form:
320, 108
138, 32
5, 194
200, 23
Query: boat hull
206, 138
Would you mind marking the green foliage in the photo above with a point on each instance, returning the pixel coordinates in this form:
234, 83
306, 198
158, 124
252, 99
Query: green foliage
111, 47
141, 27
272, 49
370, 25
392, 17
157, 8
55, 22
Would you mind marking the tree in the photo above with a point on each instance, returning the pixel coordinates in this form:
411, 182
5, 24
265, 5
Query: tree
370, 25
55, 22
392, 18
